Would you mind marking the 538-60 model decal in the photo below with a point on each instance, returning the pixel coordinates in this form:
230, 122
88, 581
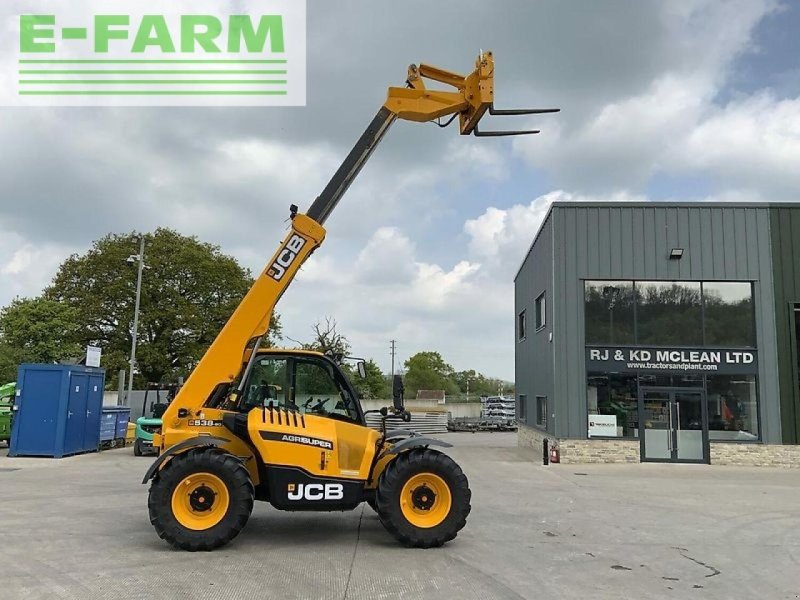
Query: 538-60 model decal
296, 439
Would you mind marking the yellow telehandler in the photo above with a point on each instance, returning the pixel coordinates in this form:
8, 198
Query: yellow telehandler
286, 426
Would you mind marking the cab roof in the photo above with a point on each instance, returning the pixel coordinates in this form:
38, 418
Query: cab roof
290, 351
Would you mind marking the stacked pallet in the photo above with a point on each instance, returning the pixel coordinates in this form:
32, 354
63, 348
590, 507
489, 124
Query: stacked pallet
500, 407
421, 422
474, 424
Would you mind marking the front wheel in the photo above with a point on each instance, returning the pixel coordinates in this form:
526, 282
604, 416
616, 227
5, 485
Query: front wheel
423, 498
201, 500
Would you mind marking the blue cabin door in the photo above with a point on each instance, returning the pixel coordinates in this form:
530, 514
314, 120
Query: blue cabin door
76, 414
35, 424
94, 409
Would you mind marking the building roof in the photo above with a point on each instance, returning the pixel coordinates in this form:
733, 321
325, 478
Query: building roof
651, 204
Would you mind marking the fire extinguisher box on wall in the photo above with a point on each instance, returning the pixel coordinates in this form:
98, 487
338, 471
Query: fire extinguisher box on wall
56, 410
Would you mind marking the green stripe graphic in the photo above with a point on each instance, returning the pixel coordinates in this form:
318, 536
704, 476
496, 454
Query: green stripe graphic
145, 61
152, 93
153, 81
148, 72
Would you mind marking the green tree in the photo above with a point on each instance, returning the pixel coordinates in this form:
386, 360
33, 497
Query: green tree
37, 330
375, 386
429, 371
188, 292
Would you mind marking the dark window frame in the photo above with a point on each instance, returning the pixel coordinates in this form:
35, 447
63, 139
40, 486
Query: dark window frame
636, 282
540, 311
522, 326
760, 437
638, 409
541, 412
753, 331
523, 398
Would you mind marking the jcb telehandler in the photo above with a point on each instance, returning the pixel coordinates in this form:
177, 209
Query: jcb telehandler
286, 426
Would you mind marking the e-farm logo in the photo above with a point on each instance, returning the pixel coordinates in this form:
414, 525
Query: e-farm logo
134, 53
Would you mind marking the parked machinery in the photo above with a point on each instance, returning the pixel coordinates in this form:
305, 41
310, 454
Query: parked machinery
286, 426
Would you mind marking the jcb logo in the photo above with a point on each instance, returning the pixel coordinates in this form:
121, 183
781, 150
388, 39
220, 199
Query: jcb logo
316, 491
286, 257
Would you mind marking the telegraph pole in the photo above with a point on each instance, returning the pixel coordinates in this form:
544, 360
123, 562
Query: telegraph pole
140, 258
393, 351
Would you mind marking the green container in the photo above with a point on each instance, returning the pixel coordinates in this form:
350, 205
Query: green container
7, 392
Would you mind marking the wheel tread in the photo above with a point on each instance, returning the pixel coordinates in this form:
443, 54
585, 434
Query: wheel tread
242, 494
391, 482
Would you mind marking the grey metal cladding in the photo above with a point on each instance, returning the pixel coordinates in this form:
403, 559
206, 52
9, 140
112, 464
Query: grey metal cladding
534, 354
627, 241
785, 238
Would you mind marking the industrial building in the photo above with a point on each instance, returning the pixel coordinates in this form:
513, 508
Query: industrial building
661, 332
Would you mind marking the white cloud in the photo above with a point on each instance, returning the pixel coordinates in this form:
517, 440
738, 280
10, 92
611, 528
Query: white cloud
25, 269
754, 143
673, 123
501, 237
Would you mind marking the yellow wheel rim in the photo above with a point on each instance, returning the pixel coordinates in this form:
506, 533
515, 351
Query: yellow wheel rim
425, 500
200, 501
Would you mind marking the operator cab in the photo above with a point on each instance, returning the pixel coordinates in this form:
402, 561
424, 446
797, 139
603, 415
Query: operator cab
301, 381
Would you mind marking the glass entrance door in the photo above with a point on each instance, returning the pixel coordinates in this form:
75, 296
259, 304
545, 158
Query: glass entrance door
673, 425
656, 421
689, 438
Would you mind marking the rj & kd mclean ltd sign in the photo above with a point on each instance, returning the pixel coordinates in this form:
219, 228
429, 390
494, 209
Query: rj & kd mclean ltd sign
732, 360
148, 53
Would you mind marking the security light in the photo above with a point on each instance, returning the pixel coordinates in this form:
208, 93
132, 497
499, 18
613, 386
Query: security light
676, 254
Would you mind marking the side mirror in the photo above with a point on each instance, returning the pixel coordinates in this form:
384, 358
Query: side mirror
362, 369
398, 389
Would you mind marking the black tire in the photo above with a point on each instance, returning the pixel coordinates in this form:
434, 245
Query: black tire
240, 489
137, 447
390, 486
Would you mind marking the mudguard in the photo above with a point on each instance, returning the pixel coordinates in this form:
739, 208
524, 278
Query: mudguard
397, 433
195, 442
414, 442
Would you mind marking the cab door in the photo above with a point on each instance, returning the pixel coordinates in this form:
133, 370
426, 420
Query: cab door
314, 423
320, 390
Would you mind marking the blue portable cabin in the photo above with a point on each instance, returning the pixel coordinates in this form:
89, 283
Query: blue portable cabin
57, 410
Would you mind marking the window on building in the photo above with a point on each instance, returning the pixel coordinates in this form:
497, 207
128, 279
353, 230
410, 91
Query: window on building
732, 407
729, 316
614, 396
609, 311
541, 411
521, 410
669, 313
540, 312
521, 326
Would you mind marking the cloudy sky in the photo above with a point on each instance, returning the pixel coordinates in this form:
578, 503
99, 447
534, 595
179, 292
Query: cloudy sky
689, 100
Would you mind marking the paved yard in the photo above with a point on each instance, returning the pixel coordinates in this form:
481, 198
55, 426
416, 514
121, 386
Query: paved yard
78, 528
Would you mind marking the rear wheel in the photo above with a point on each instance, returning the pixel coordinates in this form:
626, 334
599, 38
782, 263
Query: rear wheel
137, 447
423, 498
201, 500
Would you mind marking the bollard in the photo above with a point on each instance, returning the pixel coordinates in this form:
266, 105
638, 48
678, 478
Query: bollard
545, 453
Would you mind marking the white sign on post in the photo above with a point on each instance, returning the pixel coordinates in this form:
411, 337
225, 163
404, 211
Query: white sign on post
602, 425
93, 356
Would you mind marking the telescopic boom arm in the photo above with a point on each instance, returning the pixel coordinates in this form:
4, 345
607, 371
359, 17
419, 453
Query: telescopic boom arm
235, 346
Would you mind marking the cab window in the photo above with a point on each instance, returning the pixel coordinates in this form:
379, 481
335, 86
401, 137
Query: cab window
316, 391
267, 383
